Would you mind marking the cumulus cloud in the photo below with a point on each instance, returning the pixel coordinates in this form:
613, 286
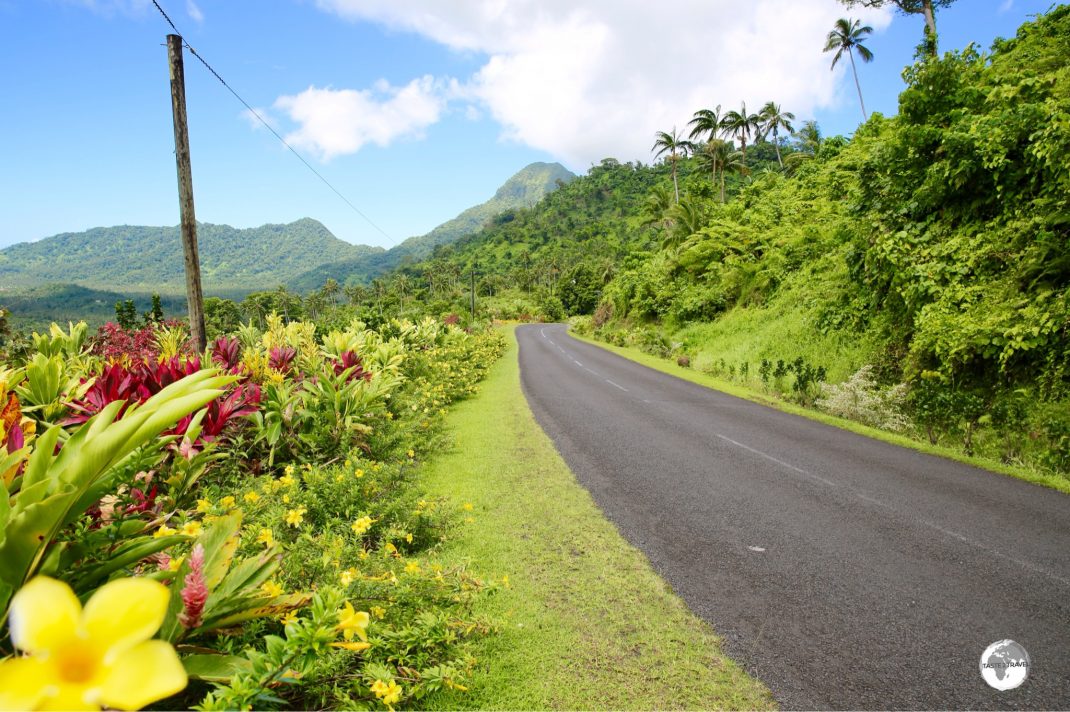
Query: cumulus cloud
584, 81
333, 122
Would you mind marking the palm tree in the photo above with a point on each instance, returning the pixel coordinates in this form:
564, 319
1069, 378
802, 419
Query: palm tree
741, 125
677, 148
656, 207
714, 155
707, 122
688, 219
773, 119
847, 36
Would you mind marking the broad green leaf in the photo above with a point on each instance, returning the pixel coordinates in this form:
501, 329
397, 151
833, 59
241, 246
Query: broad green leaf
215, 668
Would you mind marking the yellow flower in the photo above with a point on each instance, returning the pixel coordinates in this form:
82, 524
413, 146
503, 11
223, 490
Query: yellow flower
362, 525
408, 538
347, 464
266, 537
505, 580
467, 507
289, 470
286, 499
338, 478
294, 517
87, 658
388, 692
227, 503
378, 611
191, 529
164, 530
411, 454
390, 548
347, 576
288, 479
352, 622
204, 505
359, 473
270, 588
412, 568
252, 497
175, 563
288, 618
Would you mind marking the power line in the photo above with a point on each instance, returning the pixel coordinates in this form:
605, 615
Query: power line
269, 127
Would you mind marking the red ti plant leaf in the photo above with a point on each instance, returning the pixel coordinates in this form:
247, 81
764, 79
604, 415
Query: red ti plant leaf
280, 358
115, 383
350, 359
226, 351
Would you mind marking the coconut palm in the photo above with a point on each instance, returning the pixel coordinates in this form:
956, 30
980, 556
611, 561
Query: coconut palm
706, 123
742, 126
847, 36
714, 155
676, 148
772, 120
687, 219
656, 207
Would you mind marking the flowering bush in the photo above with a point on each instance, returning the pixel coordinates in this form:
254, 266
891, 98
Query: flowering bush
276, 507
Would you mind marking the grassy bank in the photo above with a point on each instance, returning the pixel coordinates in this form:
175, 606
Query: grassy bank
1043, 479
584, 622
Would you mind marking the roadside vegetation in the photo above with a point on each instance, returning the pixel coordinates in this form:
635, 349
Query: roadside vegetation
912, 279
256, 507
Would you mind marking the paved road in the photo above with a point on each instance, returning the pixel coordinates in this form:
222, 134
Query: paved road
844, 572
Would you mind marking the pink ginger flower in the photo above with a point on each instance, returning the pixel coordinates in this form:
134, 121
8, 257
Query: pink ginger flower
195, 592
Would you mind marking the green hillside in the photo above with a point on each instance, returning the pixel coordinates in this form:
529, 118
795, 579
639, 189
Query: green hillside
137, 258
526, 188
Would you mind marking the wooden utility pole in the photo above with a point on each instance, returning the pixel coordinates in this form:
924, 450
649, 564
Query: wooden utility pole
194, 297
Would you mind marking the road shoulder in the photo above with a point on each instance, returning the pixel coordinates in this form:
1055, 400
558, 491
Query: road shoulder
584, 622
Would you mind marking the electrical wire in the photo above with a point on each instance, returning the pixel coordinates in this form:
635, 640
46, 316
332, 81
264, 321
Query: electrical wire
269, 127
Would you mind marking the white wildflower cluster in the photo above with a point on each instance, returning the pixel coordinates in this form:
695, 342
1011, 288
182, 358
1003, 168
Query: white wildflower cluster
861, 399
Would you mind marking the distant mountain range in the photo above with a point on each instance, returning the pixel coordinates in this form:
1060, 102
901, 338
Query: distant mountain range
301, 255
523, 190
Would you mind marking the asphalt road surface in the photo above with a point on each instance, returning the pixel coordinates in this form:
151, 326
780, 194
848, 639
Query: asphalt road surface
843, 572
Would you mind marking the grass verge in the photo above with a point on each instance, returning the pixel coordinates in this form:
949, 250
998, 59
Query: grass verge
584, 623
1054, 482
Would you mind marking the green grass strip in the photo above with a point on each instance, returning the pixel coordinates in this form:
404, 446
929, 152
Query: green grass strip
1044, 479
584, 623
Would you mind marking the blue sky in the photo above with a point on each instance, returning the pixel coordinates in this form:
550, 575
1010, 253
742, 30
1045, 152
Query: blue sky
415, 110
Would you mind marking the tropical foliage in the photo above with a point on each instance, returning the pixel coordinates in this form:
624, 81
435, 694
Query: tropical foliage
245, 524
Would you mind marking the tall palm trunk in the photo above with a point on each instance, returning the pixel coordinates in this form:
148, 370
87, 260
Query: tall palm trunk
675, 187
930, 25
776, 145
854, 70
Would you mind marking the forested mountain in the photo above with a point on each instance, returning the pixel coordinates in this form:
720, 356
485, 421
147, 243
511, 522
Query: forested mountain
526, 188
137, 258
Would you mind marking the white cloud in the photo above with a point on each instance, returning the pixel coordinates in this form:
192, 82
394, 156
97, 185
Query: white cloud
194, 12
588, 80
333, 122
1006, 6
